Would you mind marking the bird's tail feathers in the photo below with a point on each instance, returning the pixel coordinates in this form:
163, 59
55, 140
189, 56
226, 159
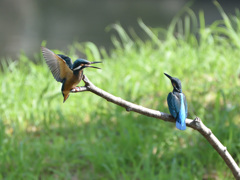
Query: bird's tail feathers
65, 96
181, 125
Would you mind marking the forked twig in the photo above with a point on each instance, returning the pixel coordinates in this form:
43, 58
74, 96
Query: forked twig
196, 124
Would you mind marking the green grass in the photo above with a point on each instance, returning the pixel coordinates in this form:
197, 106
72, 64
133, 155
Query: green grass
90, 138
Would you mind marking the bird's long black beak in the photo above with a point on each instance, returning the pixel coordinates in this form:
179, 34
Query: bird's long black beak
94, 67
94, 63
170, 77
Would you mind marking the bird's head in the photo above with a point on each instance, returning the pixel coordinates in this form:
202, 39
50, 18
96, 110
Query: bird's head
80, 64
176, 83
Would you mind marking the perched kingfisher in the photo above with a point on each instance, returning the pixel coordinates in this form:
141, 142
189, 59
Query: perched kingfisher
177, 103
64, 71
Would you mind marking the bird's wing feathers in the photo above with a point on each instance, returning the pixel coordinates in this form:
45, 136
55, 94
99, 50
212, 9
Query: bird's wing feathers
185, 104
57, 65
173, 104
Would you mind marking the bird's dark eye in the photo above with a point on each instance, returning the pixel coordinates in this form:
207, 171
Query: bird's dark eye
174, 85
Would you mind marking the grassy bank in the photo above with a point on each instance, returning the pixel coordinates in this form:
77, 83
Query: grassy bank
90, 138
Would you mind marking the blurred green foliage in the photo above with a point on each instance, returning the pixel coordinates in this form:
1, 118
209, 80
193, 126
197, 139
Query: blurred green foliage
90, 138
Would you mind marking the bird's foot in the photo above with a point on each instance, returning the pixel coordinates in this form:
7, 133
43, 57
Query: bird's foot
76, 89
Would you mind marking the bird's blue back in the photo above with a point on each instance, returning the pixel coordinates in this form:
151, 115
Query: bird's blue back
67, 60
177, 105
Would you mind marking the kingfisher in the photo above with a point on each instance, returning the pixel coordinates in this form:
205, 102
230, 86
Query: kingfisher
177, 103
64, 71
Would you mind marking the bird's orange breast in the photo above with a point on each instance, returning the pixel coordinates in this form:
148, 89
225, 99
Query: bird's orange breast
72, 81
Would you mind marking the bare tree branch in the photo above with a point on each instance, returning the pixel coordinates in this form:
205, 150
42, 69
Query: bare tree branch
196, 124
